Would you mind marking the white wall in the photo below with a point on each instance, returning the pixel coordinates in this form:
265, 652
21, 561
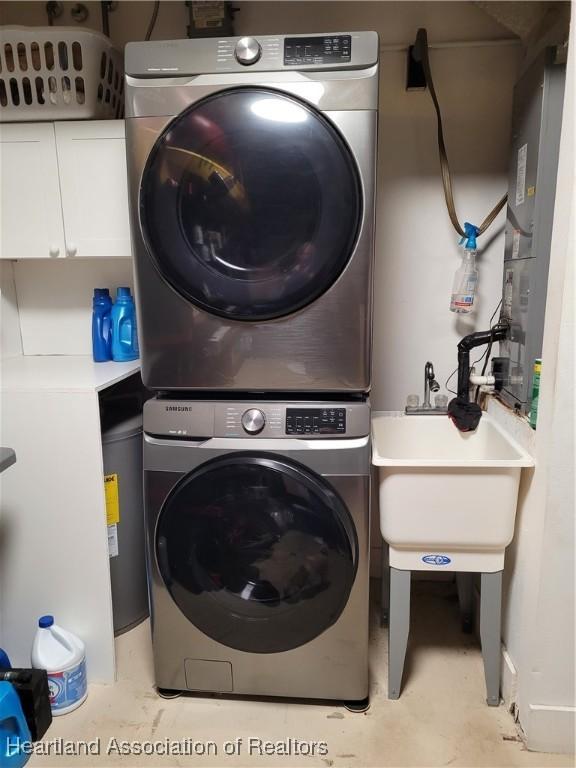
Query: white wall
46, 304
395, 21
10, 345
58, 320
10, 340
539, 607
417, 252
53, 537
128, 22
548, 690
548, 655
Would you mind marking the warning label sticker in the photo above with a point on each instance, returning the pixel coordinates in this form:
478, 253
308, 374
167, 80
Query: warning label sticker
112, 541
508, 294
112, 500
521, 174
208, 15
515, 243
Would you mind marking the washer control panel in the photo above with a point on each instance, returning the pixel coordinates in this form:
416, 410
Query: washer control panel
325, 421
260, 420
317, 50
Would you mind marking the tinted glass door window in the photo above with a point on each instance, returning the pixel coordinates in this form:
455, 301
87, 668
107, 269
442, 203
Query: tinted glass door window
250, 204
257, 552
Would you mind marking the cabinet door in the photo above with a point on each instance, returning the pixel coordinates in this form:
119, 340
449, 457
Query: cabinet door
31, 206
92, 163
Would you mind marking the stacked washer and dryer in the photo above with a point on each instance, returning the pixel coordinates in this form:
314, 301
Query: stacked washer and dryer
252, 182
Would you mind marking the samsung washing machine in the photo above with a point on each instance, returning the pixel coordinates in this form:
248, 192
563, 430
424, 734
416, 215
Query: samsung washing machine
257, 517
252, 181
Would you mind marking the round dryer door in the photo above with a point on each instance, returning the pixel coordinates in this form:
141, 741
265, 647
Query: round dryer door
250, 204
257, 552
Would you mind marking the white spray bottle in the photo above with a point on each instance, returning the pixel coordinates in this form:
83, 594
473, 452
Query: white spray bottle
466, 277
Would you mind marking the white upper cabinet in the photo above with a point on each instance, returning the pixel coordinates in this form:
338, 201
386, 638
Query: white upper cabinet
92, 164
64, 190
30, 208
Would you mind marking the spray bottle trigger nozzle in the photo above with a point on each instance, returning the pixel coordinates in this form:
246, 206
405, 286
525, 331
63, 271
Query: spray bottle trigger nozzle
470, 235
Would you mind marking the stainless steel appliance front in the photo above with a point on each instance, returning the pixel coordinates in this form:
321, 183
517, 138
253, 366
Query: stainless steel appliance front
252, 209
258, 550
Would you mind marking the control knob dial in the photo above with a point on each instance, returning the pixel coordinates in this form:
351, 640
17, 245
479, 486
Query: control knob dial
247, 51
253, 421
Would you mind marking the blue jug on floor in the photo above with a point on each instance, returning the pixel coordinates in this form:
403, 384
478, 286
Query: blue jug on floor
14, 732
101, 325
124, 332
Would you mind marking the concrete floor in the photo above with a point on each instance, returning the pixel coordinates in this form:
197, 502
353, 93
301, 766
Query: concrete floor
441, 718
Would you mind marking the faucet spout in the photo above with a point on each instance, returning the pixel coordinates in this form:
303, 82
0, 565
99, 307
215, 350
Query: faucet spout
430, 384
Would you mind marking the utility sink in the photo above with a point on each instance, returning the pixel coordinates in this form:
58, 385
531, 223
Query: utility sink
447, 499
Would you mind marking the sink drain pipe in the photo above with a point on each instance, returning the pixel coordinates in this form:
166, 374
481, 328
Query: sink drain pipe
466, 415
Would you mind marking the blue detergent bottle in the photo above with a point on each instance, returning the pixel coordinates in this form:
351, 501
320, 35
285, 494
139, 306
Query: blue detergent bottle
14, 732
101, 328
124, 332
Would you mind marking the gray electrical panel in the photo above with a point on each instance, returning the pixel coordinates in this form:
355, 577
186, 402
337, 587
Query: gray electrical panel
536, 124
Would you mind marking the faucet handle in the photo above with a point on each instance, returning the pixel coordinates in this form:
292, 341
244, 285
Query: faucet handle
441, 401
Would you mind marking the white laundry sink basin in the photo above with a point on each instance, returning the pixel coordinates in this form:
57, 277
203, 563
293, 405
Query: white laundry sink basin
447, 499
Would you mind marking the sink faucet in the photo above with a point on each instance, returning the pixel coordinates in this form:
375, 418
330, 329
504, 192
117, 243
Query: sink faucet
430, 385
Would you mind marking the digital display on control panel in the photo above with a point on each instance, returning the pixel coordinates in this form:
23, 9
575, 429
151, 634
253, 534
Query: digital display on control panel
305, 421
317, 50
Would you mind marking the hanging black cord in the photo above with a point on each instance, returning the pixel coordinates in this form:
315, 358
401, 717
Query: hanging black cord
153, 18
488, 350
421, 52
105, 10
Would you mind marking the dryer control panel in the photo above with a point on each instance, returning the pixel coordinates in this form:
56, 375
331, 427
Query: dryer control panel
317, 50
265, 53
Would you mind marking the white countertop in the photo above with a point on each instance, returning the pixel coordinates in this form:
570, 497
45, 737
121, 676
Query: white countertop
61, 373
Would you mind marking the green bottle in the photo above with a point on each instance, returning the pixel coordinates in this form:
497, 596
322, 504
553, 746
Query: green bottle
535, 392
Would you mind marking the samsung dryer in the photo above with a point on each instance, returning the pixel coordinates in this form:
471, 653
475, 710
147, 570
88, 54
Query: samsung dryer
252, 182
257, 519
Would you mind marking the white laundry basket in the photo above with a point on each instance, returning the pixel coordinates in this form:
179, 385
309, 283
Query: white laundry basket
59, 73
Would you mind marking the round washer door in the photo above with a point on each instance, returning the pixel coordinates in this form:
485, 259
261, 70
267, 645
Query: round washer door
257, 552
250, 204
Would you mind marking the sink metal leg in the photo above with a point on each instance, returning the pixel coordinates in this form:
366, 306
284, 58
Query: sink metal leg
490, 633
385, 596
465, 586
398, 628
